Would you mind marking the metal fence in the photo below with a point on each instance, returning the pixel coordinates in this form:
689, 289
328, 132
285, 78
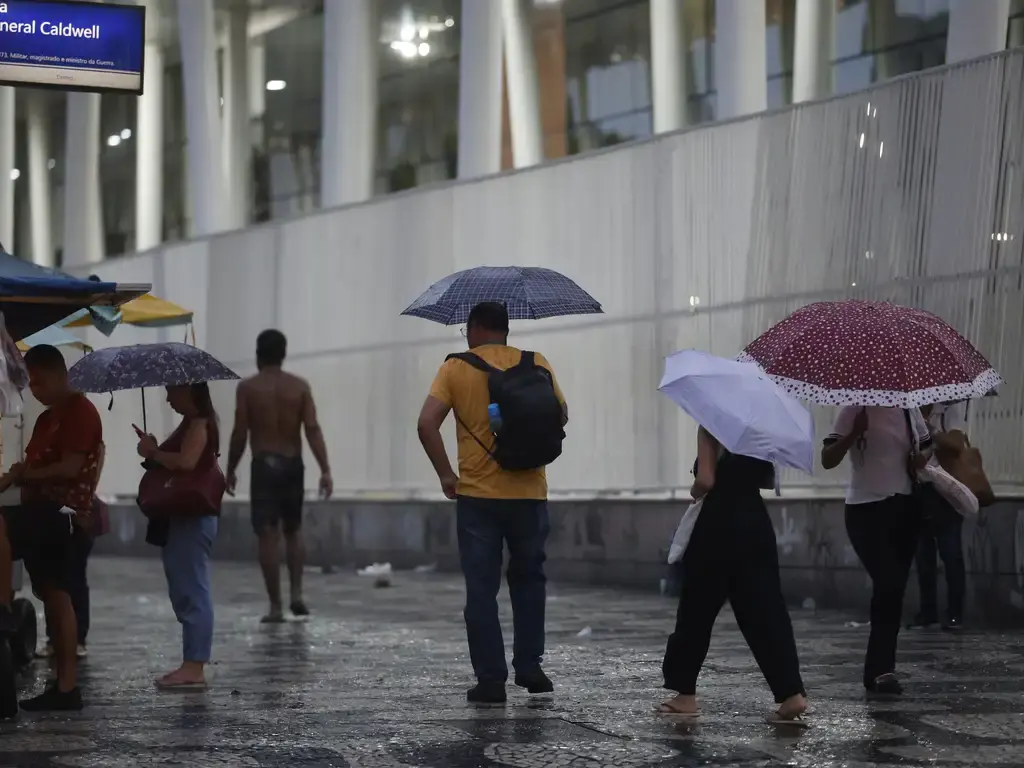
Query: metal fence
911, 191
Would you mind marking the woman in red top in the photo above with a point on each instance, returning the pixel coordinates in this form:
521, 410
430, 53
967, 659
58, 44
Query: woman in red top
187, 540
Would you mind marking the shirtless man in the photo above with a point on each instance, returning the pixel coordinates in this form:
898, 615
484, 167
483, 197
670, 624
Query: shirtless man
271, 410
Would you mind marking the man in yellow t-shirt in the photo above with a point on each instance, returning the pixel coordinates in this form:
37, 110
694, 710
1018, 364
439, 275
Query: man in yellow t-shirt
493, 506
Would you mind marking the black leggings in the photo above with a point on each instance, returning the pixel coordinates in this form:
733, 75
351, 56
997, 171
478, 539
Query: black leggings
732, 556
884, 535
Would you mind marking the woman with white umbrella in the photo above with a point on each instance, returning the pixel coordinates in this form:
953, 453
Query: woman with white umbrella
747, 423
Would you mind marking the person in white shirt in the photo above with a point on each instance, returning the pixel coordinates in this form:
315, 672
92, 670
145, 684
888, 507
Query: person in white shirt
882, 518
941, 536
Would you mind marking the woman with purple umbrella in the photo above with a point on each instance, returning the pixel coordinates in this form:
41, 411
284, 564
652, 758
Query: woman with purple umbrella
187, 537
183, 486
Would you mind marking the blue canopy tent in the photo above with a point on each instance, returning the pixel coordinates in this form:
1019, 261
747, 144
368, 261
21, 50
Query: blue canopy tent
33, 297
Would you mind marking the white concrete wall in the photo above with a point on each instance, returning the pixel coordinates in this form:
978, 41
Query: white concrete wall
699, 239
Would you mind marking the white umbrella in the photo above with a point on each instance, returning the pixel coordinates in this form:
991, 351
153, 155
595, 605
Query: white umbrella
741, 407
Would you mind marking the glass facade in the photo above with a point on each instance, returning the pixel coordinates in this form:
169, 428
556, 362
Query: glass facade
593, 60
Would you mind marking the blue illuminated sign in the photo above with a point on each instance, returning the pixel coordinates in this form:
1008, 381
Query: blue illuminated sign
74, 46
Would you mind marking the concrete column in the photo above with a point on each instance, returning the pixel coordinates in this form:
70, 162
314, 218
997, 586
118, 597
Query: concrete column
149, 152
669, 63
1015, 34
348, 154
480, 84
41, 224
237, 141
741, 69
521, 82
813, 49
976, 28
202, 117
83, 210
7, 168
257, 89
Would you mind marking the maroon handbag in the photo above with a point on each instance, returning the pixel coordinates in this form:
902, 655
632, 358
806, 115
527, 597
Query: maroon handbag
196, 493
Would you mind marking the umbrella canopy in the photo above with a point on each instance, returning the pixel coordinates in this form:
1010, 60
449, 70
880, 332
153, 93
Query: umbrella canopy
741, 407
146, 365
529, 293
33, 297
55, 336
145, 312
871, 353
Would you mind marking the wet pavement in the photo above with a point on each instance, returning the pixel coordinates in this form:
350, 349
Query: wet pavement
377, 679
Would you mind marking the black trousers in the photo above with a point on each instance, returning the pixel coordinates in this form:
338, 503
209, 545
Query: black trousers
884, 535
78, 586
941, 536
732, 556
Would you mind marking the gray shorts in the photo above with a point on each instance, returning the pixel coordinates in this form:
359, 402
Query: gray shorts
276, 492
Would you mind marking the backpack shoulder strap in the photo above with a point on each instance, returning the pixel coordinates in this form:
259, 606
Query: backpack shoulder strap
471, 359
527, 360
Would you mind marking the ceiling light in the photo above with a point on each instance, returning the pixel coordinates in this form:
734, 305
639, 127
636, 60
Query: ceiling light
449, 22
113, 140
861, 145
423, 49
126, 134
15, 174
407, 32
51, 164
276, 85
881, 146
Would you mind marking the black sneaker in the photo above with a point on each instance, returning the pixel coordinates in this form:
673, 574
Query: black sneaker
54, 700
487, 693
923, 621
535, 682
885, 685
299, 608
953, 624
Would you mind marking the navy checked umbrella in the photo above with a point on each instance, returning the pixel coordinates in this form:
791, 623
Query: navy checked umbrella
529, 293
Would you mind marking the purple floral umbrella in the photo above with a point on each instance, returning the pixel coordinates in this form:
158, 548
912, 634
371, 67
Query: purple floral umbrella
146, 365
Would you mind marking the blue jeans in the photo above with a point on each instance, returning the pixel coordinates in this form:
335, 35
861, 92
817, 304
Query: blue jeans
186, 559
484, 527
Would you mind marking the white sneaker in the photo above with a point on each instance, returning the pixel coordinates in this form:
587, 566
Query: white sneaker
82, 652
45, 652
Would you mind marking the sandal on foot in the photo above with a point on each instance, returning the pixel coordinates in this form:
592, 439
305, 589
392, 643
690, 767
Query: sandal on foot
274, 618
667, 709
183, 686
775, 717
299, 608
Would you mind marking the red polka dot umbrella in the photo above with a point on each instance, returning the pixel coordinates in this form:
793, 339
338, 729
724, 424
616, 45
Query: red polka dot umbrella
871, 353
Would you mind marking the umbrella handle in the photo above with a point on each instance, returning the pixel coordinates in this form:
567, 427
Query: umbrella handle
144, 427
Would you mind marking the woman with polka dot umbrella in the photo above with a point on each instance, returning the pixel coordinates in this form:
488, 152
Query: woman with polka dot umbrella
871, 353
881, 362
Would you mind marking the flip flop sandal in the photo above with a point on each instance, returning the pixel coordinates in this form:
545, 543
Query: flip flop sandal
774, 717
182, 687
665, 709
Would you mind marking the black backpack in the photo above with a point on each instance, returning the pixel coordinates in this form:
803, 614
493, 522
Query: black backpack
531, 431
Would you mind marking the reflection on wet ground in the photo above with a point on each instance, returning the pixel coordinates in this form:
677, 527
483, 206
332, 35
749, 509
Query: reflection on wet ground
376, 679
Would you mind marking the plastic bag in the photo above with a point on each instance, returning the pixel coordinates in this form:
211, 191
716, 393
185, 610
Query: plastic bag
683, 532
13, 373
952, 490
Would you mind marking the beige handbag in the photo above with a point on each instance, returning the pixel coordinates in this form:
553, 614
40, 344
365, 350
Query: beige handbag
962, 460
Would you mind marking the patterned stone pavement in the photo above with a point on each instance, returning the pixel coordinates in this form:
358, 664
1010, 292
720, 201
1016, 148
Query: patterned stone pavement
376, 679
